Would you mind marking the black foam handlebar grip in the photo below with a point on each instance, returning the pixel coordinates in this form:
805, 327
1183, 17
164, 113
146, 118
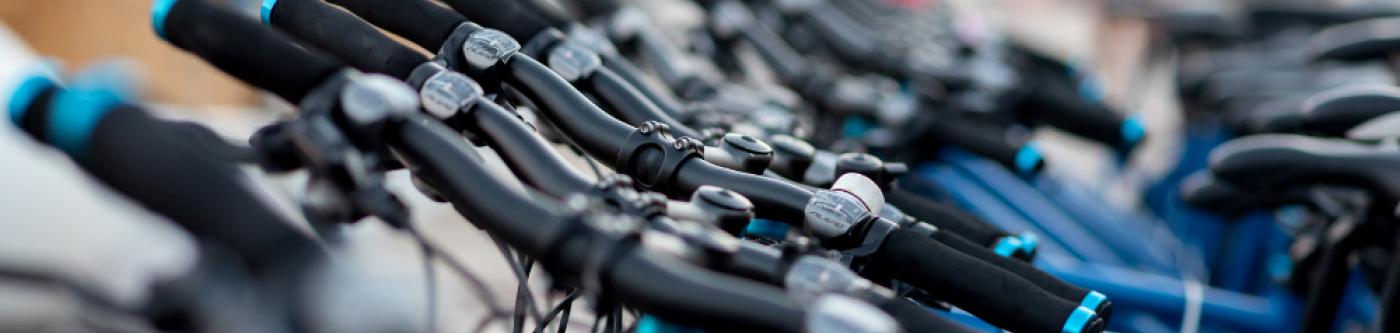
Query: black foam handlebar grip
991, 293
917, 319
420, 21
507, 16
981, 139
694, 296
1040, 278
946, 218
551, 14
154, 162
1060, 106
346, 36
239, 46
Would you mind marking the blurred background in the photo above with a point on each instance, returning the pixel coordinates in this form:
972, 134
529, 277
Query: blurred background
78, 32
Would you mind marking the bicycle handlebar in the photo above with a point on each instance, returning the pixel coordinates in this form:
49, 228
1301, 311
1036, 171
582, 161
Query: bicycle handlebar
945, 217
435, 152
915, 318
507, 16
525, 151
1002, 299
603, 137
662, 287
979, 138
539, 79
1061, 106
344, 35
152, 162
421, 22
240, 47
367, 49
629, 104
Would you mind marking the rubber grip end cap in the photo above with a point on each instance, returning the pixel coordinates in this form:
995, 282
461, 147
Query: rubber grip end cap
1007, 246
159, 9
1030, 244
649, 324
25, 95
1083, 320
767, 228
1134, 130
862, 188
1100, 303
265, 14
1029, 159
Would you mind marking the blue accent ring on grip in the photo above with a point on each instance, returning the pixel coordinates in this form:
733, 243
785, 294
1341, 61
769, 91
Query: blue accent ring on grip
1029, 241
75, 115
1007, 246
159, 10
767, 228
25, 95
1093, 300
1134, 128
1078, 320
266, 13
1029, 159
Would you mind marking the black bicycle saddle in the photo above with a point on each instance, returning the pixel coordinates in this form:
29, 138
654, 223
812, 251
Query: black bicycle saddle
1334, 112
1361, 40
1277, 161
1202, 190
1385, 126
1289, 14
1220, 88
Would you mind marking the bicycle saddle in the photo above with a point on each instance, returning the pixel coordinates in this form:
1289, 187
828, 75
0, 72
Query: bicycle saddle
1277, 161
1361, 40
1261, 14
1333, 112
1205, 191
1220, 88
1385, 126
